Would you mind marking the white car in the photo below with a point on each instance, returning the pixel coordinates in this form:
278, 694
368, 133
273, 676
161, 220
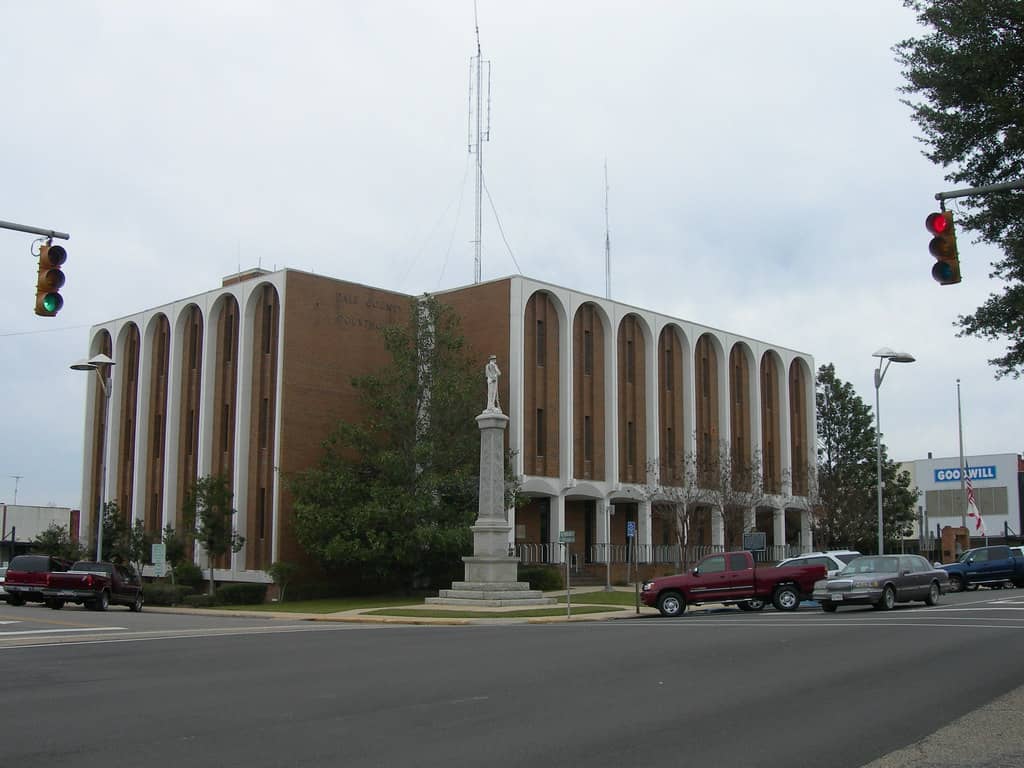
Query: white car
834, 560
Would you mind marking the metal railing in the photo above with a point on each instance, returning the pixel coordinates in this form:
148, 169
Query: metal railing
549, 553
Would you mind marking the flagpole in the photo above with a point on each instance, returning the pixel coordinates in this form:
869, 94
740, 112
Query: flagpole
960, 425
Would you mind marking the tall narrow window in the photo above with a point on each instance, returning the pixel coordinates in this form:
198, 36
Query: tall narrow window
157, 435
229, 321
268, 318
630, 443
669, 373
629, 361
261, 514
225, 412
264, 416
705, 375
541, 344
671, 445
189, 432
588, 353
588, 439
192, 350
540, 432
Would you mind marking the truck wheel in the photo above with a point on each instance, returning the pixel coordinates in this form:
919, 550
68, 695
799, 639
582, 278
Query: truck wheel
755, 604
956, 583
671, 604
888, 599
786, 598
16, 600
101, 602
55, 603
136, 606
829, 607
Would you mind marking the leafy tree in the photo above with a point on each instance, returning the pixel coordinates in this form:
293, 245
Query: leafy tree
56, 541
208, 511
137, 546
846, 490
175, 548
282, 573
967, 74
394, 496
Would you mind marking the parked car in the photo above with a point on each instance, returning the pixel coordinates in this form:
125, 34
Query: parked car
731, 578
27, 575
882, 581
3, 573
834, 560
96, 585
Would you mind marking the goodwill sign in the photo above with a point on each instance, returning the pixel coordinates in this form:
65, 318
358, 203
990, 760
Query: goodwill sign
951, 474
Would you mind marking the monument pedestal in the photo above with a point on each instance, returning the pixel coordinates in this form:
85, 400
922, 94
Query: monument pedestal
491, 572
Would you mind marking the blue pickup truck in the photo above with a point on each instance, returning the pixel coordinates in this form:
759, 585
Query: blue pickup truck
989, 566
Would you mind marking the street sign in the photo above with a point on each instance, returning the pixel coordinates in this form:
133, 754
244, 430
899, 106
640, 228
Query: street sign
566, 537
755, 541
159, 558
631, 529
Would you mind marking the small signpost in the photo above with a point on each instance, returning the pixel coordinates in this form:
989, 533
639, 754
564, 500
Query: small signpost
631, 536
159, 557
566, 538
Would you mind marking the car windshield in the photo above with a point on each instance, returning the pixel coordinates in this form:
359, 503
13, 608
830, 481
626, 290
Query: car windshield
877, 564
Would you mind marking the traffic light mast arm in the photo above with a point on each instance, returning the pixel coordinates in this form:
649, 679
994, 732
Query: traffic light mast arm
942, 196
34, 230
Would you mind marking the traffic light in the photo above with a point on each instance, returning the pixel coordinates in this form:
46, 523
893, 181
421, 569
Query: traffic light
943, 247
50, 280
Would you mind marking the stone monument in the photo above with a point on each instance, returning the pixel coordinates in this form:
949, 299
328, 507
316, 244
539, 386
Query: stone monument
491, 571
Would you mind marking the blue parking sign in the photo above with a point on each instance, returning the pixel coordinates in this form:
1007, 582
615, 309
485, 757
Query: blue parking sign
631, 529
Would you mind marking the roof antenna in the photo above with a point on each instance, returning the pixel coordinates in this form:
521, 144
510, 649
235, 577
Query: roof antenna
481, 134
607, 240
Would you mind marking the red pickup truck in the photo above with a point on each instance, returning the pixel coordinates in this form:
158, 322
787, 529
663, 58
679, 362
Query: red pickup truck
96, 585
732, 578
27, 575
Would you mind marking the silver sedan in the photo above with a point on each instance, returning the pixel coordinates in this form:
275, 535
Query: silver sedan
882, 581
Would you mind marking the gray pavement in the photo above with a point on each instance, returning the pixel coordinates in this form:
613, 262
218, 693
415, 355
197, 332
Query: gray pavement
991, 736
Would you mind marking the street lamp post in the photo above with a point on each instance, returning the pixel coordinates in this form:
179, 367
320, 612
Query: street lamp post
888, 356
100, 364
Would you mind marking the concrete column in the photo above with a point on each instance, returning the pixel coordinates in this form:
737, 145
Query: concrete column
806, 536
717, 528
779, 530
557, 525
643, 525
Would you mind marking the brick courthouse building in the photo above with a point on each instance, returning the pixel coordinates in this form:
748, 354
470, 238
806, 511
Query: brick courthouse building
248, 380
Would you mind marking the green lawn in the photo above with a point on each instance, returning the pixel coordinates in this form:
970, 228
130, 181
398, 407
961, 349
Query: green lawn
521, 614
393, 605
332, 605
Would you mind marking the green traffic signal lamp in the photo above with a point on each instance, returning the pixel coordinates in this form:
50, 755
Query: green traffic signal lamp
946, 270
50, 280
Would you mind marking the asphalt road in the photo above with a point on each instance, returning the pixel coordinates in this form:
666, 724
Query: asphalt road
715, 689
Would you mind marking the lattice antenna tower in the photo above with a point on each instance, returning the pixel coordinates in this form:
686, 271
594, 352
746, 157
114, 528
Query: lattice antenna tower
479, 132
607, 239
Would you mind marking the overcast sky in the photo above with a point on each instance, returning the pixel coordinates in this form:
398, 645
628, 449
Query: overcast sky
764, 179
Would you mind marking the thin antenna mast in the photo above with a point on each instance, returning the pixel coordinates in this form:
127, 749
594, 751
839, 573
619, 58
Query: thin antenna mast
481, 134
607, 239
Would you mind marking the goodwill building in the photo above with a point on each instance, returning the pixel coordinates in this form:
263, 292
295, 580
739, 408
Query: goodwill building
247, 381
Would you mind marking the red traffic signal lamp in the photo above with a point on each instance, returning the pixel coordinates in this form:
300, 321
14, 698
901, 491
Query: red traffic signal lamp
943, 247
50, 280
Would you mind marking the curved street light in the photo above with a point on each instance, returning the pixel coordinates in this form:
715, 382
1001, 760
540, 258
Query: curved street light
100, 364
888, 356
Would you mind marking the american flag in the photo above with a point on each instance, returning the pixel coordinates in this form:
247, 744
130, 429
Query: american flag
972, 507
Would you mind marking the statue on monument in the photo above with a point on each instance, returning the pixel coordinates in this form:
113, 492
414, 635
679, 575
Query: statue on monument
492, 373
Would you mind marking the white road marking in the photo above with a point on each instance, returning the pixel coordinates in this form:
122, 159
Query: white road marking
54, 631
